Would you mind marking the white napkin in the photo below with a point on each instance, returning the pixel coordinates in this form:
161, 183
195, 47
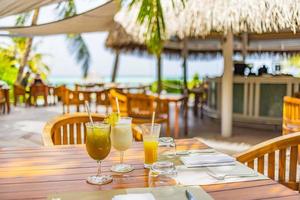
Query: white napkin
141, 196
205, 160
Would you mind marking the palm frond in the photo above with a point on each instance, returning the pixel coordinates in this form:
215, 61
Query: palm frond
77, 45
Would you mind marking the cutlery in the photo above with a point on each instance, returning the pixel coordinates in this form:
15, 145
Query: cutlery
188, 152
189, 195
223, 176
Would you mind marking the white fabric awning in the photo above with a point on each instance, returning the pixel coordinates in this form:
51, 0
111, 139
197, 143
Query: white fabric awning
13, 7
100, 18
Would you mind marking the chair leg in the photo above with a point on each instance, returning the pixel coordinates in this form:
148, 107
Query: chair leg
46, 101
15, 100
168, 131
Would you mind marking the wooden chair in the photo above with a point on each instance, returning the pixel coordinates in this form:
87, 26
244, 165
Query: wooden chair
291, 115
59, 92
2, 101
122, 99
76, 98
69, 129
37, 90
141, 106
264, 155
19, 91
102, 99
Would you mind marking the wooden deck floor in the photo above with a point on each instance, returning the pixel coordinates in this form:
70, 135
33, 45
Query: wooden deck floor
23, 127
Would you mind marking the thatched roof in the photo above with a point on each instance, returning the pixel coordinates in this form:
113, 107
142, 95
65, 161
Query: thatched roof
283, 43
200, 18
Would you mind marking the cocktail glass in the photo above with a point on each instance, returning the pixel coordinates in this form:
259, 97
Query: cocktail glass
150, 140
121, 137
98, 146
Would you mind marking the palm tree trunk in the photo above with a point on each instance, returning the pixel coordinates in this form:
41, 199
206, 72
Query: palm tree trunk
184, 63
116, 66
159, 83
28, 48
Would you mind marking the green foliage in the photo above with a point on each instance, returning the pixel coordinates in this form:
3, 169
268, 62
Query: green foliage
169, 85
11, 56
151, 12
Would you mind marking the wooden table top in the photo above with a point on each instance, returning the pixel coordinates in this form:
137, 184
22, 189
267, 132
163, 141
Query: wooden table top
34, 173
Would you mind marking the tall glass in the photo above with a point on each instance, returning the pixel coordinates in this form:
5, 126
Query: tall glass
150, 140
98, 147
121, 137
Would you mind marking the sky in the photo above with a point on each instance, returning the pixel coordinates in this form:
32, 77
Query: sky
63, 64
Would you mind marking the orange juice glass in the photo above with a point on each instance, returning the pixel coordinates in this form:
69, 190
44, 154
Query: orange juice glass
150, 140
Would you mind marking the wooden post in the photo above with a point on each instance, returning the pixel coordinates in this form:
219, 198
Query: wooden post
227, 87
116, 66
244, 46
159, 83
184, 63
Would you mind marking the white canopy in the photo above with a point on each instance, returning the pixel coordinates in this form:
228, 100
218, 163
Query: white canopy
13, 7
97, 19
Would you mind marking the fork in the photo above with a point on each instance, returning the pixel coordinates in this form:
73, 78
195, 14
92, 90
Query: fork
223, 176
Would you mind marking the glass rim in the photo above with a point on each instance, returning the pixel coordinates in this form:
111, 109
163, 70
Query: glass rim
101, 124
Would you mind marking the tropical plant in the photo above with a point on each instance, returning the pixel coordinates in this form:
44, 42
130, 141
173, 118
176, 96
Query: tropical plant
11, 57
151, 12
77, 44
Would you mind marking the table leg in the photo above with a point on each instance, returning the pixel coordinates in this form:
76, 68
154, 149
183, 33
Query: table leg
176, 121
185, 115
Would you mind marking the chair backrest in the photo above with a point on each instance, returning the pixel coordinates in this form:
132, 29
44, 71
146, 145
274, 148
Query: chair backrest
68, 129
291, 115
140, 105
71, 97
19, 90
122, 99
60, 90
279, 151
102, 98
38, 90
2, 96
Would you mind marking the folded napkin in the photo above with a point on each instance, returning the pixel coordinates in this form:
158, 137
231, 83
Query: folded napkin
205, 160
141, 196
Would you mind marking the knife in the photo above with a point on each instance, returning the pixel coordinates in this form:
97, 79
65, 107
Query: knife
189, 195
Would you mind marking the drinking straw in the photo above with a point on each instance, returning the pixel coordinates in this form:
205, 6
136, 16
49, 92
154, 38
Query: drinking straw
87, 107
118, 107
152, 123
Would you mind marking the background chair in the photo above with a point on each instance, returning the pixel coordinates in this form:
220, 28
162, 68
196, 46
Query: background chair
291, 115
19, 91
75, 98
263, 157
102, 99
36, 91
122, 99
2, 101
70, 129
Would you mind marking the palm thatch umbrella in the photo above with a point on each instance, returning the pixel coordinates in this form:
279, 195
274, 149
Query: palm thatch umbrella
200, 18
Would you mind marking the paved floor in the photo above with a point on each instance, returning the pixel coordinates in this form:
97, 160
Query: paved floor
23, 127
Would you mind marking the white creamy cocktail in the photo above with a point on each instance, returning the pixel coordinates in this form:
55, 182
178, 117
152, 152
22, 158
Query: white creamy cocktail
121, 139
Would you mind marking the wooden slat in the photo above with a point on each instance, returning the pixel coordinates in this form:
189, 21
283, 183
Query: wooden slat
260, 164
293, 163
65, 134
251, 164
282, 164
71, 127
78, 133
57, 137
271, 165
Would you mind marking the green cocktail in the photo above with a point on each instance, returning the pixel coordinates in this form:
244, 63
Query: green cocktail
98, 146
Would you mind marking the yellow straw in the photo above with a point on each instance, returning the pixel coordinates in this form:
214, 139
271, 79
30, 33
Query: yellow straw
87, 107
118, 107
152, 123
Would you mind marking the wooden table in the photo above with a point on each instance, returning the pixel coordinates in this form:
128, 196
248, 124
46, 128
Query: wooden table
34, 173
177, 99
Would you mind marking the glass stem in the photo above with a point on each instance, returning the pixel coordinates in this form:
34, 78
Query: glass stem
121, 157
99, 168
